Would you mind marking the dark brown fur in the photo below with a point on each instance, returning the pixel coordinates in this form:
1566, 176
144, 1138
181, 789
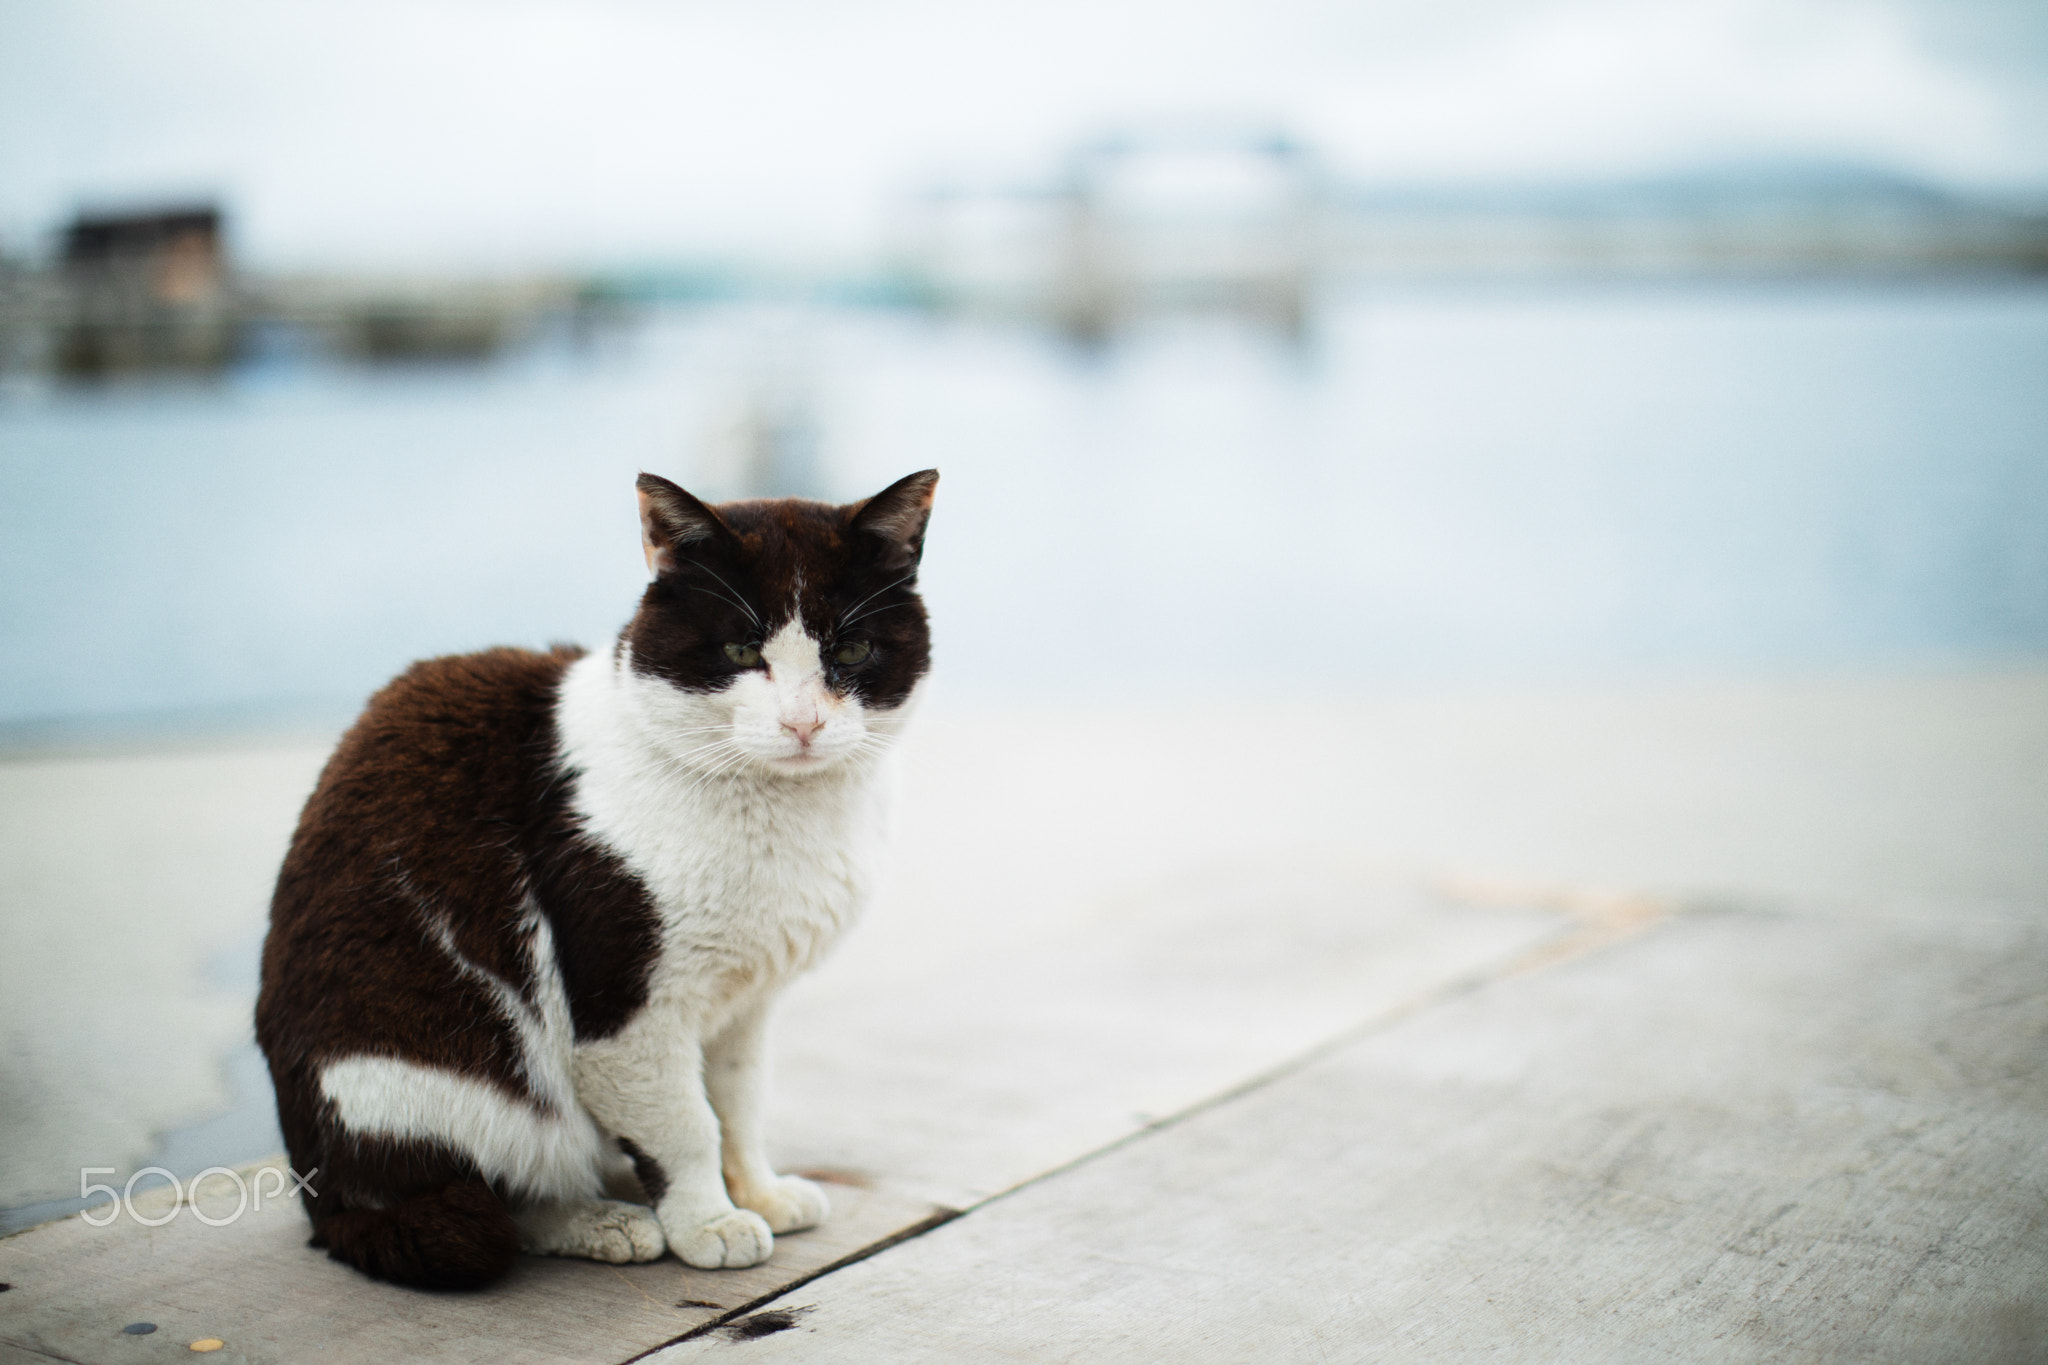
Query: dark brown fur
442, 798
455, 1235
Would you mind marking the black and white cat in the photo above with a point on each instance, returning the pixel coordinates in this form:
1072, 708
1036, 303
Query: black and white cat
538, 907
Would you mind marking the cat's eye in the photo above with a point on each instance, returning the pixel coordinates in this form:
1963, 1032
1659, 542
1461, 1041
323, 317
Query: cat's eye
853, 652
746, 656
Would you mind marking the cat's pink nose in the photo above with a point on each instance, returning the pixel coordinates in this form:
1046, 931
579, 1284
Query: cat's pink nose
803, 729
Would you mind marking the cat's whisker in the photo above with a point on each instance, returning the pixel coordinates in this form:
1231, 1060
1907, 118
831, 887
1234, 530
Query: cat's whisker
719, 747
726, 597
713, 749
679, 766
682, 764
712, 744
886, 606
867, 745
736, 599
706, 747
843, 622
718, 770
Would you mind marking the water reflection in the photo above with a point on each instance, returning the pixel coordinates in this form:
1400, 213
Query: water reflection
1447, 484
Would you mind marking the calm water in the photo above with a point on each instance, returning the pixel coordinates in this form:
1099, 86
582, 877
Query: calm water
1447, 486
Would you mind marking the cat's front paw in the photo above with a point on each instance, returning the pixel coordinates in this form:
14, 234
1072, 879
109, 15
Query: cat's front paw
790, 1204
727, 1241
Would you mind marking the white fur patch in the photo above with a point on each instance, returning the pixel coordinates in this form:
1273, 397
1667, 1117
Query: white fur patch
546, 1035
754, 864
550, 1149
542, 1156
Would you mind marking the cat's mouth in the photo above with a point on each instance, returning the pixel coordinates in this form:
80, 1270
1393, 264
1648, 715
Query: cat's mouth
810, 756
802, 759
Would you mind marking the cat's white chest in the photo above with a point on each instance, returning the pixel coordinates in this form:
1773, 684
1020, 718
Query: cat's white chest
753, 877
755, 881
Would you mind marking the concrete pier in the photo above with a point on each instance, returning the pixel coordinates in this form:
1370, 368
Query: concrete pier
1661, 1023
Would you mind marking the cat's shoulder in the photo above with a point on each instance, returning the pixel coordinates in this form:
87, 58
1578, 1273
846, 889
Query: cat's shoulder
450, 684
489, 714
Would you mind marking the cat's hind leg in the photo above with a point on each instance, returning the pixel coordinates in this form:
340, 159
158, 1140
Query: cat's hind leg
594, 1229
412, 1212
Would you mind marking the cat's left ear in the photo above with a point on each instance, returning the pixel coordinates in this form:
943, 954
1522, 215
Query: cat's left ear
670, 520
898, 515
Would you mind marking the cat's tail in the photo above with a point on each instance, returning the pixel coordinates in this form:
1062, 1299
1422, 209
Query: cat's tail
457, 1237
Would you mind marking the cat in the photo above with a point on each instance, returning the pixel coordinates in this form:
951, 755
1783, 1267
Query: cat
525, 941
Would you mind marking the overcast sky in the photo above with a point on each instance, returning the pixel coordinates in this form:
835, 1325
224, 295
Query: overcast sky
505, 133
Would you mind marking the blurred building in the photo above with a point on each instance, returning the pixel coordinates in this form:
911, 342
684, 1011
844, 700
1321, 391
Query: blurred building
156, 291
146, 291
399, 319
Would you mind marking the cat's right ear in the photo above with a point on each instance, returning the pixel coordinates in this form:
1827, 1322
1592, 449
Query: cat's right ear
671, 521
897, 515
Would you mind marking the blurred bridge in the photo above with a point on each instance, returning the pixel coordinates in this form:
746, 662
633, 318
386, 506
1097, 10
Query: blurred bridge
1183, 219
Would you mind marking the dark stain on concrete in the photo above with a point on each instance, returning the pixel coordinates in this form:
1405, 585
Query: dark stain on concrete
762, 1324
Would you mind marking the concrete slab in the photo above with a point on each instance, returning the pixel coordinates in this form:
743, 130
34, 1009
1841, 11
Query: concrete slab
251, 1284
915, 1102
133, 887
133, 894
1101, 920
922, 1075
1857, 793
962, 1070
1738, 1137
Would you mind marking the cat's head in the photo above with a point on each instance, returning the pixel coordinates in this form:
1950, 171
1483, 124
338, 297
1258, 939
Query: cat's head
782, 634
